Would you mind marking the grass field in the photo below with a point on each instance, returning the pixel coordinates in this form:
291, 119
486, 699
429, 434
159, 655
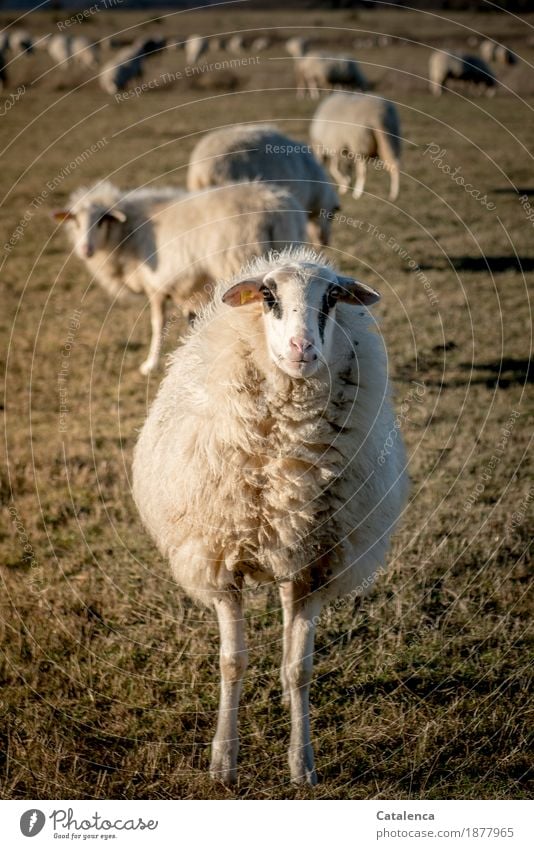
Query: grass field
109, 675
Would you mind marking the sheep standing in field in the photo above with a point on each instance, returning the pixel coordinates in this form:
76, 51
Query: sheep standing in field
84, 52
259, 462
166, 243
349, 129
260, 44
3, 72
491, 51
455, 66
127, 66
319, 72
16, 41
236, 44
260, 151
195, 47
297, 46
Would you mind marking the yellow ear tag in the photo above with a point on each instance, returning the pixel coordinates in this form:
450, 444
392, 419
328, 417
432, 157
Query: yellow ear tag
247, 295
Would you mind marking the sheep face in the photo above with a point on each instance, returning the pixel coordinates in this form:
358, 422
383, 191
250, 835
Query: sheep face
299, 313
90, 227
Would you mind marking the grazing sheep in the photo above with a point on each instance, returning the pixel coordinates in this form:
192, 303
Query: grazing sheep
243, 152
349, 129
3, 71
168, 243
84, 52
59, 49
260, 44
236, 44
258, 462
493, 52
297, 46
127, 65
195, 47
458, 66
16, 41
319, 71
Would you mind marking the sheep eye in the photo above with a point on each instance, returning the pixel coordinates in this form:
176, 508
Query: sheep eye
333, 296
268, 296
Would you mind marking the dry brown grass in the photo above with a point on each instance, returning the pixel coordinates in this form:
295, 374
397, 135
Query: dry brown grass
109, 674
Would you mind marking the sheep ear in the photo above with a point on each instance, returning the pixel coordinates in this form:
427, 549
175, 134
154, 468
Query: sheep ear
114, 214
61, 215
354, 292
244, 292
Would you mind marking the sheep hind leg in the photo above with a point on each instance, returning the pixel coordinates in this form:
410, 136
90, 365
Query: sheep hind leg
299, 673
157, 317
343, 183
394, 174
233, 663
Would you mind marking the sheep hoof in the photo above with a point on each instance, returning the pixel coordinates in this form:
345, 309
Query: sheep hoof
222, 769
302, 768
147, 367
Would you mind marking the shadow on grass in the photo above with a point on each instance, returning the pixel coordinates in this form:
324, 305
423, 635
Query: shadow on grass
492, 264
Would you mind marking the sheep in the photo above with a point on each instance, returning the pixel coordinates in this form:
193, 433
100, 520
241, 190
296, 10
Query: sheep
260, 44
3, 71
258, 463
166, 243
319, 71
16, 41
85, 52
297, 46
59, 49
195, 47
349, 129
128, 64
458, 66
236, 44
493, 52
245, 152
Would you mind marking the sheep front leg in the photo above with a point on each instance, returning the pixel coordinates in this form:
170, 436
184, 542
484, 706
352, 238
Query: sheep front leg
286, 597
233, 663
157, 317
361, 170
298, 673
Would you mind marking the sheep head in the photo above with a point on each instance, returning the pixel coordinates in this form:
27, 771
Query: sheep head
299, 312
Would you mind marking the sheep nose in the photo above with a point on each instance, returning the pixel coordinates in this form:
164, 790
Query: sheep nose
88, 251
300, 343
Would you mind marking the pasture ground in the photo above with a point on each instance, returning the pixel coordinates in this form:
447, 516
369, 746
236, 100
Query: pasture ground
109, 675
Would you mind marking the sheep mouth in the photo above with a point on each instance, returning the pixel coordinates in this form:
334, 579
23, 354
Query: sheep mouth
301, 367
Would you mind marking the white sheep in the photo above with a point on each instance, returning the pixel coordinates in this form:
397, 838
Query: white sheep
3, 71
297, 46
127, 65
320, 71
260, 44
458, 66
166, 243
236, 44
16, 41
491, 51
262, 459
195, 47
85, 52
247, 152
349, 129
